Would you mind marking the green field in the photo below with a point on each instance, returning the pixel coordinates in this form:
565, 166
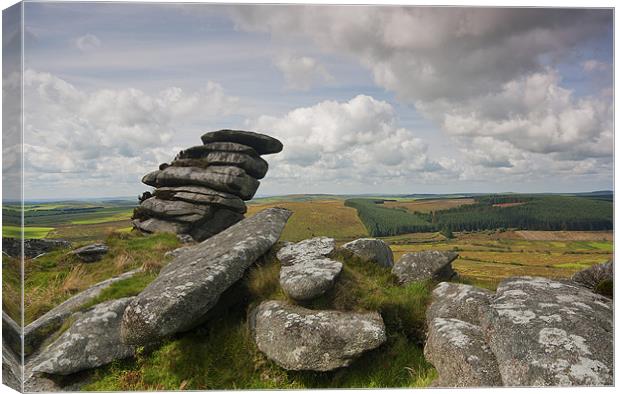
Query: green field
29, 232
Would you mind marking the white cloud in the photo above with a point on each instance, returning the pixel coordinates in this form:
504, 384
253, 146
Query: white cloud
594, 65
87, 43
301, 72
112, 135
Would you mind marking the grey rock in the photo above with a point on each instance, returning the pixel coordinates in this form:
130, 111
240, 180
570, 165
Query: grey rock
372, 249
91, 253
459, 301
181, 211
297, 338
227, 179
592, 276
202, 195
548, 333
37, 331
92, 341
185, 238
254, 166
33, 247
11, 368
187, 288
460, 354
312, 247
263, 144
11, 334
201, 151
306, 272
154, 225
431, 264
219, 221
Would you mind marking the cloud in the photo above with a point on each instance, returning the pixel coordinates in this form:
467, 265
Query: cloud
594, 65
112, 135
87, 43
300, 73
355, 142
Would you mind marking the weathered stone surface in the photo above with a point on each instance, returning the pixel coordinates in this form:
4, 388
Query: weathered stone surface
228, 179
188, 287
37, 331
297, 338
154, 225
372, 249
179, 251
254, 166
263, 144
221, 220
201, 151
548, 333
430, 264
177, 210
32, 247
11, 333
306, 272
11, 368
92, 341
460, 354
459, 301
592, 276
202, 195
312, 247
91, 253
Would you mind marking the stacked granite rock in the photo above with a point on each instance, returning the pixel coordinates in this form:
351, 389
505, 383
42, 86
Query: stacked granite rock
203, 190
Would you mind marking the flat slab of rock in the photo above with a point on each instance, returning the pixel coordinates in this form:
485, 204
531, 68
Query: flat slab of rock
592, 276
91, 253
154, 225
201, 151
227, 179
419, 266
254, 166
459, 301
92, 341
459, 352
177, 210
202, 195
306, 272
188, 287
263, 144
37, 331
549, 333
297, 338
372, 249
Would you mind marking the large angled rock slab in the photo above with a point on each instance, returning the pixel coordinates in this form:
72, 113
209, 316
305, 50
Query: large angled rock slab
592, 276
297, 338
306, 272
188, 287
429, 264
37, 331
372, 249
92, 340
254, 166
459, 301
549, 333
263, 144
202, 195
227, 179
460, 354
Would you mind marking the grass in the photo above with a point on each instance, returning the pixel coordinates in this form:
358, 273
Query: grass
317, 217
124, 288
29, 232
222, 355
105, 219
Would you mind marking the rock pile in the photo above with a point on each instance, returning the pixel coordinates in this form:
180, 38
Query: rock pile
531, 332
202, 191
33, 247
429, 264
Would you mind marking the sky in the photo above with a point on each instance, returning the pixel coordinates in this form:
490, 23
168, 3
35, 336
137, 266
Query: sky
366, 99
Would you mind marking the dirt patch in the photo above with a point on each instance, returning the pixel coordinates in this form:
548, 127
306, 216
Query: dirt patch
565, 235
508, 204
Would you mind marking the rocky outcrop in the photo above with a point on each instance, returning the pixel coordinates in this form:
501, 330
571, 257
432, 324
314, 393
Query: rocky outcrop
37, 331
11, 368
202, 191
531, 332
187, 288
32, 247
11, 333
592, 277
297, 338
91, 253
92, 340
306, 272
419, 266
372, 249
